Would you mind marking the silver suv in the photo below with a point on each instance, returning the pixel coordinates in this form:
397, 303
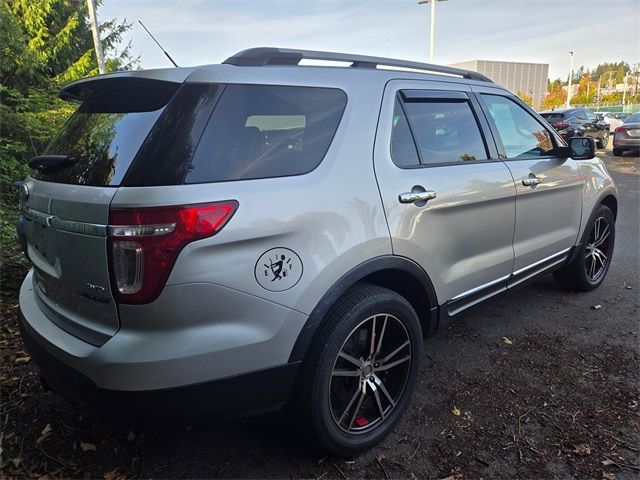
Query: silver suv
226, 239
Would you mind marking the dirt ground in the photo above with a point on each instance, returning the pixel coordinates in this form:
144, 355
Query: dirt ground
540, 384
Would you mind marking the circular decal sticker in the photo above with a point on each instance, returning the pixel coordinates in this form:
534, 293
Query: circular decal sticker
278, 269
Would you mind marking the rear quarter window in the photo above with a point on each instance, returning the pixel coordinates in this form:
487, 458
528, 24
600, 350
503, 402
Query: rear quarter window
263, 131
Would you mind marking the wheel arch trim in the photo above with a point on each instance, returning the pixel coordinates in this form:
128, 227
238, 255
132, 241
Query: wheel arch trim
429, 319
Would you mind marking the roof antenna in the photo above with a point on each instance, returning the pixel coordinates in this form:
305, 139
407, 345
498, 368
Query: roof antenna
158, 43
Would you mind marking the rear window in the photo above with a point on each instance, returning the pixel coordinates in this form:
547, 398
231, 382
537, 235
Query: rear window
103, 135
262, 131
552, 117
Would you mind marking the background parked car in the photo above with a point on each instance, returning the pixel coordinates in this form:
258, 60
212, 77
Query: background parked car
577, 122
614, 120
627, 136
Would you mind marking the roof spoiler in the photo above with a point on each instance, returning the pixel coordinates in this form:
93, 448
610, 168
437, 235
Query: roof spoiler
135, 80
263, 56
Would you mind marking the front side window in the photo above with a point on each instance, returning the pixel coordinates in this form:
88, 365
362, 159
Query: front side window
445, 131
522, 135
263, 131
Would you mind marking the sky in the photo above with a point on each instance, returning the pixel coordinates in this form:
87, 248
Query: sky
197, 32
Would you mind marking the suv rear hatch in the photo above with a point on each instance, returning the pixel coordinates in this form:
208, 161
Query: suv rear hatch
66, 206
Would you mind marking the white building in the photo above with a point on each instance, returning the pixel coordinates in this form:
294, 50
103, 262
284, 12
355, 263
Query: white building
528, 78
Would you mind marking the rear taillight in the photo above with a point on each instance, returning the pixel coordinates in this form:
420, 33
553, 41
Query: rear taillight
621, 130
561, 125
145, 242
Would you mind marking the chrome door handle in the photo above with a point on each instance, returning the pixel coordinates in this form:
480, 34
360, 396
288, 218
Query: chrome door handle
413, 197
531, 181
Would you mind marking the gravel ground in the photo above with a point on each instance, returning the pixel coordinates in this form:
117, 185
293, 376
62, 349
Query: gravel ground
537, 385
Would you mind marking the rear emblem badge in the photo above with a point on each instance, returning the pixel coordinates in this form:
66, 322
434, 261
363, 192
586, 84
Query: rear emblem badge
278, 269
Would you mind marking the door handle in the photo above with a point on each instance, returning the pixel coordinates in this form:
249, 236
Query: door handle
531, 181
413, 197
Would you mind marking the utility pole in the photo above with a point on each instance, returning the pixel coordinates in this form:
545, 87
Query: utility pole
96, 36
570, 81
433, 24
598, 95
624, 91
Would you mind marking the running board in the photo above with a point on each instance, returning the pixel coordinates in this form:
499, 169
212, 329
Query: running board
519, 278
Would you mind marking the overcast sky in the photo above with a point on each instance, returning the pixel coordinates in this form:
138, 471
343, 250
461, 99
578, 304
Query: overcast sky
208, 31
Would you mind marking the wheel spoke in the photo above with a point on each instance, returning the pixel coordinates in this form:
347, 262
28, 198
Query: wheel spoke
345, 373
377, 397
357, 409
384, 390
392, 364
350, 359
592, 271
601, 238
373, 337
353, 399
599, 253
393, 354
384, 326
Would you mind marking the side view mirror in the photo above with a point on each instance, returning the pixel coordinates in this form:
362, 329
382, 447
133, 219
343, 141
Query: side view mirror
582, 148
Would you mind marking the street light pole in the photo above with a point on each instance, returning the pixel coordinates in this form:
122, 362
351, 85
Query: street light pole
570, 81
433, 25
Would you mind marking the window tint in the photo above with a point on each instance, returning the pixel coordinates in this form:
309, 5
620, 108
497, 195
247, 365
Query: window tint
522, 136
403, 148
261, 131
103, 143
445, 131
552, 117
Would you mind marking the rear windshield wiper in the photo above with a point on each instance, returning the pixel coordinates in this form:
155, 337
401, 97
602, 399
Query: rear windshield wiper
51, 163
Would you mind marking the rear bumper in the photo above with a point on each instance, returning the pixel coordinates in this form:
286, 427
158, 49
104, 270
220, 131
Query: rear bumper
238, 396
629, 143
189, 371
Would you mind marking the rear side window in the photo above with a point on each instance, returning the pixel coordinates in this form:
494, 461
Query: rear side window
104, 134
403, 148
446, 131
262, 131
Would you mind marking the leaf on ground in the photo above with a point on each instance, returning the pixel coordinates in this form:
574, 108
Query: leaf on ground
608, 476
506, 341
21, 360
112, 475
596, 307
580, 448
131, 436
455, 411
46, 431
16, 462
87, 446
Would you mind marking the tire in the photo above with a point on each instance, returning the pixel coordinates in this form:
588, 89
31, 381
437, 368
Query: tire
617, 152
588, 269
335, 414
604, 141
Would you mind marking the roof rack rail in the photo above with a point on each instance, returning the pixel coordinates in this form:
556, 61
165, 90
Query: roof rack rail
262, 56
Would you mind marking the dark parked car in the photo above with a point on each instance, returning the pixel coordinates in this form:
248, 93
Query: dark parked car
627, 136
578, 122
